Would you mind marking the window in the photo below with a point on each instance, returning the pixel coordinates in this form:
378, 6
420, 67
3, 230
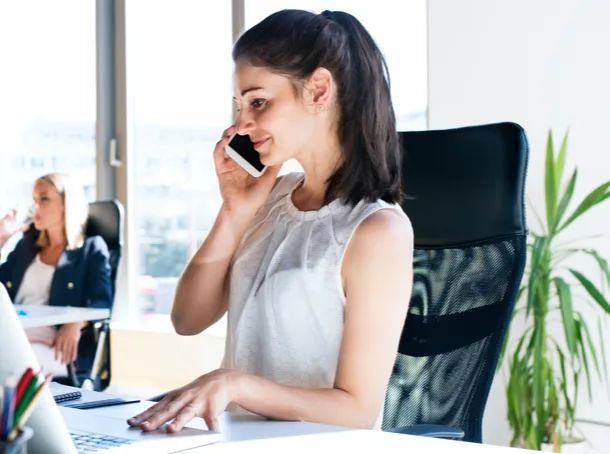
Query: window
180, 72
400, 30
47, 88
179, 100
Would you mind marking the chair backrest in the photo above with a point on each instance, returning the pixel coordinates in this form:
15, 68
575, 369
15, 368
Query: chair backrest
106, 220
465, 198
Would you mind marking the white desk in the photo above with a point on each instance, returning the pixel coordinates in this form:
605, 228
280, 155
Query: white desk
53, 315
253, 434
355, 441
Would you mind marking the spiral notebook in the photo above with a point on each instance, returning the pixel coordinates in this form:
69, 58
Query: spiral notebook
67, 396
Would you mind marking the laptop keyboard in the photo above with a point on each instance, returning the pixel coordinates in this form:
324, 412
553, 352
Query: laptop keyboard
92, 442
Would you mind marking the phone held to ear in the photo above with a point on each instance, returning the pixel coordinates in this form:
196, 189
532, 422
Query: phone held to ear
241, 150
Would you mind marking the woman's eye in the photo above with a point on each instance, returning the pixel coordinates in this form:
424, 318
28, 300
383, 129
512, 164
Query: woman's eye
258, 103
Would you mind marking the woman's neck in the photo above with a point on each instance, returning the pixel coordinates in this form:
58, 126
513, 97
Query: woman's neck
57, 239
319, 163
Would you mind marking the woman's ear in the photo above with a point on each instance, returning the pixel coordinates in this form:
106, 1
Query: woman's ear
320, 87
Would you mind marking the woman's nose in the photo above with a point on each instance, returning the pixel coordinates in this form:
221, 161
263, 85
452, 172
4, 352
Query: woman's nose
244, 124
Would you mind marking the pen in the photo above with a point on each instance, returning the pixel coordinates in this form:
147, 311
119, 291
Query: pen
18, 424
9, 405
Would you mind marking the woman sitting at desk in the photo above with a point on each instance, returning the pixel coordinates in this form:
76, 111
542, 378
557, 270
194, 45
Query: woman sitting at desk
55, 264
313, 269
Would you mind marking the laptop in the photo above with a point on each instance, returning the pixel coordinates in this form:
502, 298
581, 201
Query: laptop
62, 430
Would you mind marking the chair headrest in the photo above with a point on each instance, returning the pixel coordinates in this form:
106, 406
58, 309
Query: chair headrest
465, 185
106, 219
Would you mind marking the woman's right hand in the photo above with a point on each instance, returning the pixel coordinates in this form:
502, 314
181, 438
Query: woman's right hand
242, 194
9, 226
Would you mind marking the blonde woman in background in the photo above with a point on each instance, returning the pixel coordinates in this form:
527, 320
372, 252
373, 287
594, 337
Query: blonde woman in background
55, 264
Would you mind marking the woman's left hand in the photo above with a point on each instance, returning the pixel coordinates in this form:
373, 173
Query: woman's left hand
66, 342
206, 397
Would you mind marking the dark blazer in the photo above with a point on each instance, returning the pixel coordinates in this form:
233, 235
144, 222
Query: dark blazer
81, 279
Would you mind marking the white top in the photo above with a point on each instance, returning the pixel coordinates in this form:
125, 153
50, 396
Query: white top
286, 299
34, 290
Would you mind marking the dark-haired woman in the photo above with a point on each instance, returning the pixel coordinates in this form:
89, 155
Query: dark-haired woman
314, 269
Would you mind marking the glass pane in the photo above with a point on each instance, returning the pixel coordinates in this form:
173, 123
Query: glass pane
400, 30
47, 93
180, 79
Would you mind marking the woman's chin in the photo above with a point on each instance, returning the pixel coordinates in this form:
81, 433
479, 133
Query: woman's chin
267, 160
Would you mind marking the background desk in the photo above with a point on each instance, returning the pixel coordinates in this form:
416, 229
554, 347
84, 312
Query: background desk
54, 315
259, 435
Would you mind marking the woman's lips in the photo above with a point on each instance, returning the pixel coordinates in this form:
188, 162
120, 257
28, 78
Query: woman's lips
259, 143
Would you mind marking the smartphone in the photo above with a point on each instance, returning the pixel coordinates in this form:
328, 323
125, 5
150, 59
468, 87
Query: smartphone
241, 150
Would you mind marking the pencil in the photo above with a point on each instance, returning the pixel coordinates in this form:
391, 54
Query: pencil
28, 410
27, 396
23, 384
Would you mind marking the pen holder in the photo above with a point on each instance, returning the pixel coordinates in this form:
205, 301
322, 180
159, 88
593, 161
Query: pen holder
19, 445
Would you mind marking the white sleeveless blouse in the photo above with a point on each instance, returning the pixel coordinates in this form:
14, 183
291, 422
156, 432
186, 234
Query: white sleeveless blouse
286, 300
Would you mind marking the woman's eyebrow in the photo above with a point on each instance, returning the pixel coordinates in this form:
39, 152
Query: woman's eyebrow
247, 90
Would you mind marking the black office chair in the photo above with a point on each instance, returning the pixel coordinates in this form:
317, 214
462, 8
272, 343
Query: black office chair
106, 220
465, 199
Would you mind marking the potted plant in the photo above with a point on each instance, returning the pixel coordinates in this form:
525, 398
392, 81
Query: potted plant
547, 369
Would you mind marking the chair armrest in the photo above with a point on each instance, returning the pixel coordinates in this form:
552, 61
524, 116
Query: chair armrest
430, 430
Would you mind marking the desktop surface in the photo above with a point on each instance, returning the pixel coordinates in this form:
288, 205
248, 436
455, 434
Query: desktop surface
255, 434
355, 441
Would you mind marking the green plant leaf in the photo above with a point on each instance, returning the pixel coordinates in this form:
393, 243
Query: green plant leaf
507, 336
602, 263
550, 183
519, 295
561, 159
598, 195
592, 290
552, 404
583, 356
538, 218
564, 388
504, 346
538, 250
532, 442
590, 345
539, 379
576, 384
565, 200
565, 301
603, 355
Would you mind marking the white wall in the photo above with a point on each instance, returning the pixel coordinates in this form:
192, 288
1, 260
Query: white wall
543, 64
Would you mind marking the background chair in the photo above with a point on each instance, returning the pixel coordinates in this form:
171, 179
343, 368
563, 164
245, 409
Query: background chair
106, 220
465, 199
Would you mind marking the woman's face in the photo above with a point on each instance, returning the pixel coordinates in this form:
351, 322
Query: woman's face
48, 207
275, 117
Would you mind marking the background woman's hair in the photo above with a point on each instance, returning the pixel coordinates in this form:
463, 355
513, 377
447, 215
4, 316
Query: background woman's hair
76, 209
295, 43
